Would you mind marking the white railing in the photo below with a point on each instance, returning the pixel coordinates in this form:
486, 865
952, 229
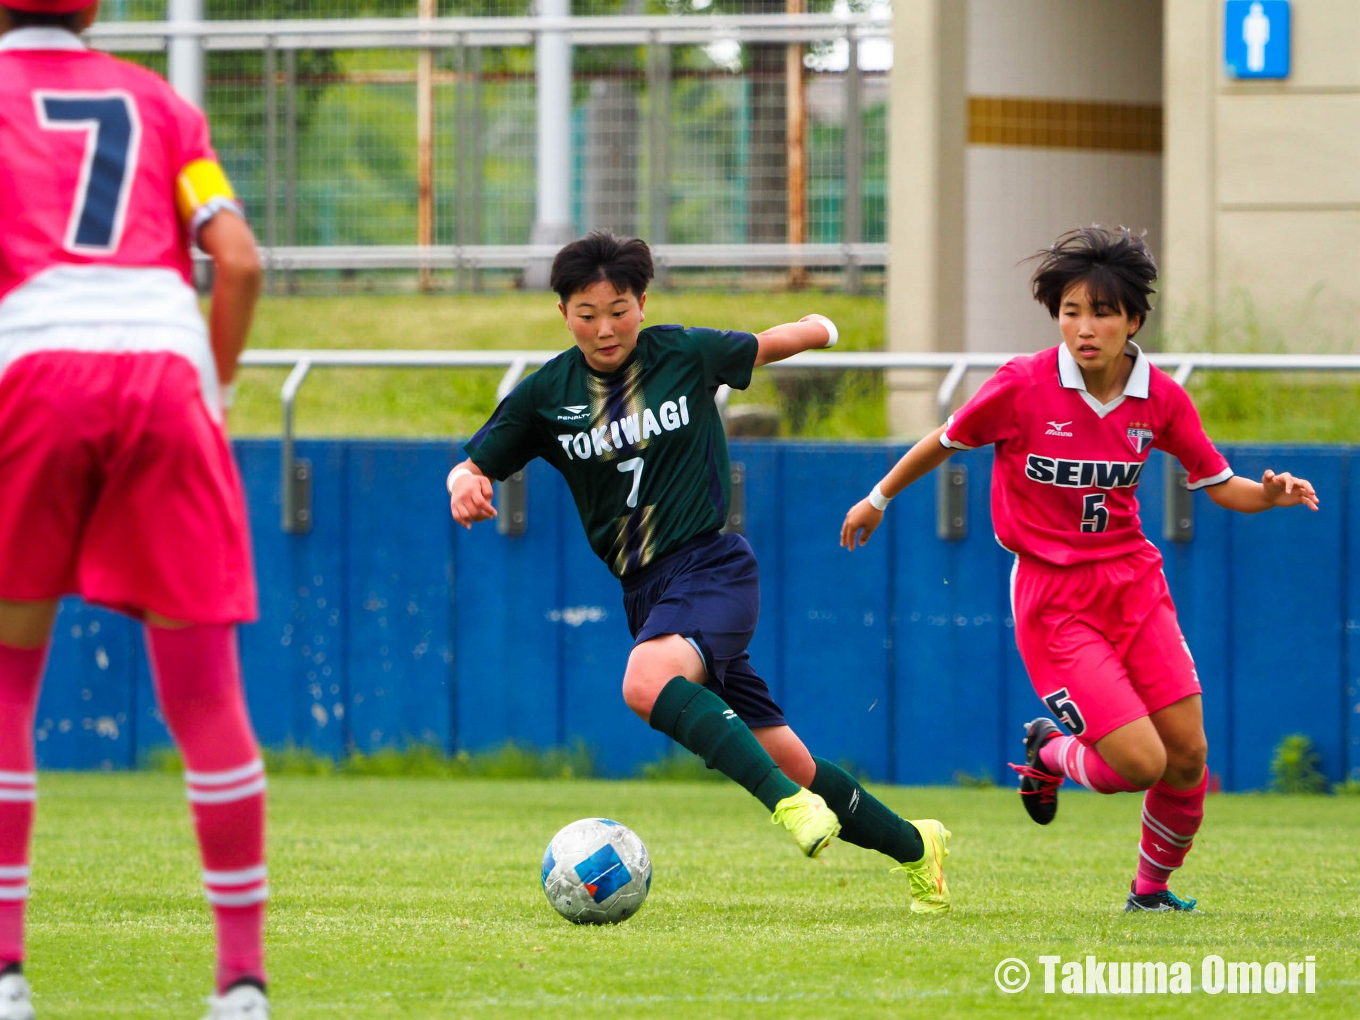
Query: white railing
296, 478
514, 256
441, 33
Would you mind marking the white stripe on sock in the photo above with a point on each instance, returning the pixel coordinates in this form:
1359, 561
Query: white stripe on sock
1164, 832
1154, 862
18, 796
245, 876
226, 796
225, 777
13, 893
15, 873
241, 899
19, 778
1081, 766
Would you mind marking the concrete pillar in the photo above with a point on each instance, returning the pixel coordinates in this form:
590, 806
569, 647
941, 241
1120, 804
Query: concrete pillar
927, 135
552, 78
1189, 199
186, 53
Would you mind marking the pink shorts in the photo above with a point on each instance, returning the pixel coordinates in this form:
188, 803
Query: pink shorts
117, 485
1101, 641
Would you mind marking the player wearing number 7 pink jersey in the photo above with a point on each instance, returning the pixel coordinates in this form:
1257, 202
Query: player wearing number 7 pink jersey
116, 478
1073, 427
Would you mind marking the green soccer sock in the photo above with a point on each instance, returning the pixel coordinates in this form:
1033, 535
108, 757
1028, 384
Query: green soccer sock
697, 719
865, 820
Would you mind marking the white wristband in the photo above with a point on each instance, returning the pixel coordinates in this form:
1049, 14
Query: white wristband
228, 391
830, 328
877, 500
453, 477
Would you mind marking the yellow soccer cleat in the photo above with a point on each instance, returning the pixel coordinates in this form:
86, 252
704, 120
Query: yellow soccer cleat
810, 822
929, 893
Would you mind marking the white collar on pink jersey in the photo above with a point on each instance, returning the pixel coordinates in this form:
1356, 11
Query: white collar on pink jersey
1069, 374
40, 39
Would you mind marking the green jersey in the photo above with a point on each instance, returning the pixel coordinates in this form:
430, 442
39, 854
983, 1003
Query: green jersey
642, 448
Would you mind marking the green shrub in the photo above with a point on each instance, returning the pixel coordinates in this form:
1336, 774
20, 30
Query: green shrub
291, 760
1294, 768
982, 781
509, 761
679, 766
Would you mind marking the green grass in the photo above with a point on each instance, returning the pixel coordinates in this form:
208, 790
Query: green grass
420, 898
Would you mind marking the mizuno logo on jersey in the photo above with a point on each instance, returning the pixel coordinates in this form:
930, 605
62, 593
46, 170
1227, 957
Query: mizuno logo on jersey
1058, 428
1083, 474
622, 433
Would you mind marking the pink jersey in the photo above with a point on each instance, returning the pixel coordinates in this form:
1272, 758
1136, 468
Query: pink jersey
1066, 465
95, 227
107, 175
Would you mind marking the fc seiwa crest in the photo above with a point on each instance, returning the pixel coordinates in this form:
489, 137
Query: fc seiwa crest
1140, 436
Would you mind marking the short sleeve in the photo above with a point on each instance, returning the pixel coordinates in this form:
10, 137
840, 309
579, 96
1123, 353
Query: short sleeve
1185, 439
728, 355
509, 439
192, 130
201, 186
989, 416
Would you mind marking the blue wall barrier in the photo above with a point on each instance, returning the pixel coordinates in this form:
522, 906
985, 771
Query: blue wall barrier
389, 624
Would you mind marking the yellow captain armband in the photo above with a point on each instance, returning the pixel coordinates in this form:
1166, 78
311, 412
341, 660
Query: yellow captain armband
201, 192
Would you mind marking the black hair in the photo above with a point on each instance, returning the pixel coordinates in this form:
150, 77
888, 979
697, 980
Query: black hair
626, 262
1116, 267
73, 22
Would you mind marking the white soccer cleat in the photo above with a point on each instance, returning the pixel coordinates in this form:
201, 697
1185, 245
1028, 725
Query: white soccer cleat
16, 1003
244, 1002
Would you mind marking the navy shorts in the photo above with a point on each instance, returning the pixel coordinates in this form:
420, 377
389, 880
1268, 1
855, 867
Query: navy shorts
708, 592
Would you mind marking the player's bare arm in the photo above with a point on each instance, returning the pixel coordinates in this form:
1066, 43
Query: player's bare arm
1248, 497
470, 494
811, 332
229, 242
863, 519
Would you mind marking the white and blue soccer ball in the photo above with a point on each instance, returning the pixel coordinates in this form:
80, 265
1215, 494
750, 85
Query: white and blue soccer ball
596, 871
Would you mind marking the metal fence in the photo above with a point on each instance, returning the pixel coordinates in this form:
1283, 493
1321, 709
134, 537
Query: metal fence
698, 131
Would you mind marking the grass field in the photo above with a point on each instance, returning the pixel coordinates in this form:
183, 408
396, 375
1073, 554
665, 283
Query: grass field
420, 898
445, 402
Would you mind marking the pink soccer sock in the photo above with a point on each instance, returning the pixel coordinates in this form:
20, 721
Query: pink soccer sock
198, 681
1067, 756
21, 672
1171, 818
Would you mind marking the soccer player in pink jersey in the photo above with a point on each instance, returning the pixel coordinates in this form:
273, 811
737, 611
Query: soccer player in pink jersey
1073, 426
116, 478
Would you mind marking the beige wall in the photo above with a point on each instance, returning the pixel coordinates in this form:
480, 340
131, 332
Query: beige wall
1022, 196
1263, 183
962, 214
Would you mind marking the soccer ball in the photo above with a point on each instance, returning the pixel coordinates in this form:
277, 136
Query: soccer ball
596, 871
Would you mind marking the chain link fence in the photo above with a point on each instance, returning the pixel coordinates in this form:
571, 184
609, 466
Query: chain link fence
680, 142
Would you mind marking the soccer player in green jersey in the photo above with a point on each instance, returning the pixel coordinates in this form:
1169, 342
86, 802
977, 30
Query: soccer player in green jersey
627, 415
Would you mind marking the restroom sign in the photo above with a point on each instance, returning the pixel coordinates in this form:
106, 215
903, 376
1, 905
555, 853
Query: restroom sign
1256, 38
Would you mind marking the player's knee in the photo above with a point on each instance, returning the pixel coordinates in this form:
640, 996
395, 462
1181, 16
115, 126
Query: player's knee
1144, 768
640, 692
1186, 759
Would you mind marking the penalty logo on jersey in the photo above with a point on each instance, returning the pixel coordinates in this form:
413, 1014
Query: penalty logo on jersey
1140, 437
